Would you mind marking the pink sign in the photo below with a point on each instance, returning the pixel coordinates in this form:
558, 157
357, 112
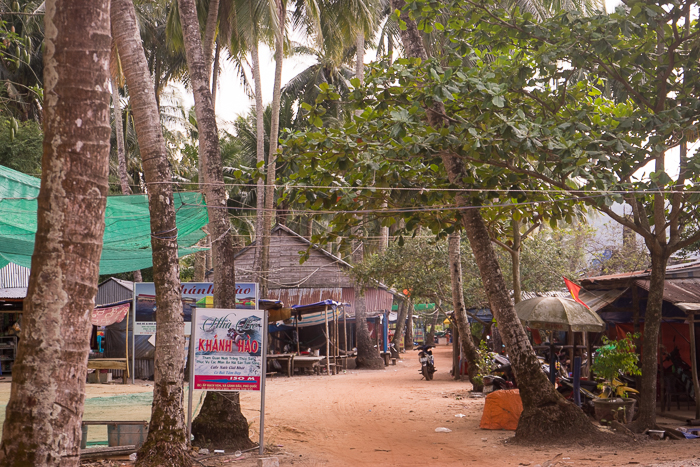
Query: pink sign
227, 383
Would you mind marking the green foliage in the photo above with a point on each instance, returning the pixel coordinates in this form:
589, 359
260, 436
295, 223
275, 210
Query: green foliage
536, 135
484, 362
21, 145
421, 265
615, 357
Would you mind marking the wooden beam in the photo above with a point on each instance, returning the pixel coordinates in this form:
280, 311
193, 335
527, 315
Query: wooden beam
102, 452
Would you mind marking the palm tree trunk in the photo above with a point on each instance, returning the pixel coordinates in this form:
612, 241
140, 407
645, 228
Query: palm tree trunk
215, 74
219, 225
210, 34
166, 444
119, 130
44, 413
121, 152
360, 60
460, 310
546, 414
260, 157
272, 156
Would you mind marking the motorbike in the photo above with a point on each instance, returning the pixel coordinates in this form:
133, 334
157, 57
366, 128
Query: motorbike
501, 376
425, 357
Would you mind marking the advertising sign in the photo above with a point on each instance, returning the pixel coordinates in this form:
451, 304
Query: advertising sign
228, 349
194, 294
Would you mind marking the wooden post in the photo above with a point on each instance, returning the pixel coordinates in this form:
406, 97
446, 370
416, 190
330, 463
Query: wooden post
296, 323
328, 342
589, 355
336, 348
126, 374
571, 340
345, 330
694, 363
456, 367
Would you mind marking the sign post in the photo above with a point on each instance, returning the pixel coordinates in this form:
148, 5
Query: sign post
228, 349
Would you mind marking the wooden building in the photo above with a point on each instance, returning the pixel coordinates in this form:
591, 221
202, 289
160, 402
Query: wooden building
323, 276
621, 300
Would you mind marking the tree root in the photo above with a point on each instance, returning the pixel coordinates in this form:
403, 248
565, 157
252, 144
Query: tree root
556, 421
370, 363
162, 454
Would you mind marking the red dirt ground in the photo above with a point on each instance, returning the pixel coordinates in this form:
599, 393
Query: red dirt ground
389, 417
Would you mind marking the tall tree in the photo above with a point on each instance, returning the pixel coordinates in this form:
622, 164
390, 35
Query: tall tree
233, 428
166, 444
545, 412
43, 415
271, 169
460, 310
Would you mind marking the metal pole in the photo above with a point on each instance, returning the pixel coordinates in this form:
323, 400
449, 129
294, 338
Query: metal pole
328, 353
262, 384
385, 333
190, 389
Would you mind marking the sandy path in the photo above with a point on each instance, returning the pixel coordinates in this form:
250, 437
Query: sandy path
379, 418
389, 417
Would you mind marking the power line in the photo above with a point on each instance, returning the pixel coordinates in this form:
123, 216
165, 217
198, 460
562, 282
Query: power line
436, 190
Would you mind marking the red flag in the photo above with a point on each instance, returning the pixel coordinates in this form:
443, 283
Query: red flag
574, 291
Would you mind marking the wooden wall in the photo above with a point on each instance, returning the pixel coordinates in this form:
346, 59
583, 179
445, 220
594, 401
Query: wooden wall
319, 271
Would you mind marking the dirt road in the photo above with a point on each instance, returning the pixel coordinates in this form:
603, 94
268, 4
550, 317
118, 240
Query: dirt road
380, 418
389, 417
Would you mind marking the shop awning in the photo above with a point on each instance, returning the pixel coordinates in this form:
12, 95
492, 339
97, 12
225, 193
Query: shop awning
104, 316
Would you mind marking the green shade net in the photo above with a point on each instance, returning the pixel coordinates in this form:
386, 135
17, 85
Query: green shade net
127, 238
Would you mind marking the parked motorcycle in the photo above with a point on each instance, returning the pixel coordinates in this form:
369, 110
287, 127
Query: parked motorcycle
495, 382
425, 357
501, 376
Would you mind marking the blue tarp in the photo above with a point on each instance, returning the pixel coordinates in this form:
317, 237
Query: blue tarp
315, 307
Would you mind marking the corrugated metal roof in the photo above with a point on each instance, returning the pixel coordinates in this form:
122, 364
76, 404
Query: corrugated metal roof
13, 292
14, 276
598, 299
114, 290
306, 296
676, 271
677, 290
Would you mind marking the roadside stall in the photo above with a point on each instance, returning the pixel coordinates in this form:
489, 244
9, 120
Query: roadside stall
311, 328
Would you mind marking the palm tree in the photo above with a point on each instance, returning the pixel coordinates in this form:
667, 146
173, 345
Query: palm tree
50, 364
167, 425
209, 422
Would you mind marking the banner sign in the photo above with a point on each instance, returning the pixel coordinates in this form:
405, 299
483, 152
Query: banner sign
109, 315
228, 349
194, 294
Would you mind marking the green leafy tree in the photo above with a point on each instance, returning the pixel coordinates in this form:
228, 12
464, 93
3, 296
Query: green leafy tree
500, 116
21, 145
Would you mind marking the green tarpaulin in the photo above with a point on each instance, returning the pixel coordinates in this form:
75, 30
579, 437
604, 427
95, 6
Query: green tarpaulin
127, 239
